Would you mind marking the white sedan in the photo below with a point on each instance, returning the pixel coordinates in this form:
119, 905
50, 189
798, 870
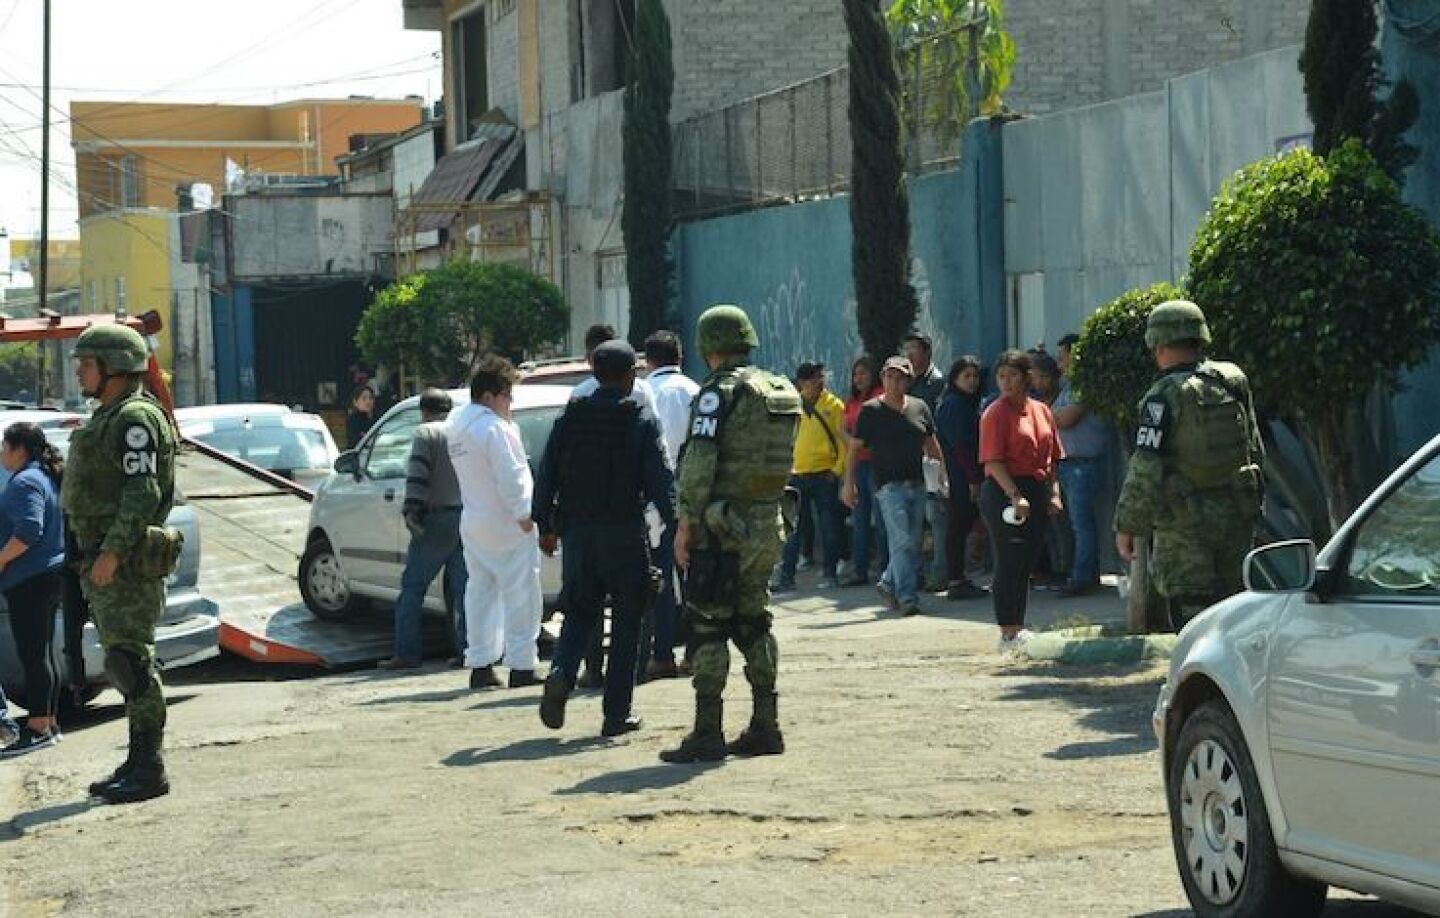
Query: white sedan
355, 548
1300, 724
291, 443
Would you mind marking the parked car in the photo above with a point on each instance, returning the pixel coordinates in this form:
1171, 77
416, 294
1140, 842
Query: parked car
189, 629
290, 443
561, 371
1300, 724
355, 549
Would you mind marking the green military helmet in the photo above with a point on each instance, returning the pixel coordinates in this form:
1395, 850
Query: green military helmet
119, 348
1176, 320
725, 329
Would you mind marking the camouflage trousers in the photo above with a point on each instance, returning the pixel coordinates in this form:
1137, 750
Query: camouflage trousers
1194, 567
746, 623
125, 613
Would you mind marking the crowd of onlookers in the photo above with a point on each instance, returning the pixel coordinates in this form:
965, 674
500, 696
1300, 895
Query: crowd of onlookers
918, 460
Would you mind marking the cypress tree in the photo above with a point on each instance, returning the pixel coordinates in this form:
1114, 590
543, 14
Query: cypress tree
1341, 67
886, 305
645, 220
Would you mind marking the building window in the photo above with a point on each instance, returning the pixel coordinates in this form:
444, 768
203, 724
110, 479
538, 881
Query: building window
600, 35
471, 90
119, 294
92, 298
130, 180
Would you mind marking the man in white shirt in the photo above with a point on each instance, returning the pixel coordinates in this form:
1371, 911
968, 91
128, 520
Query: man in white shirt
673, 392
503, 602
595, 336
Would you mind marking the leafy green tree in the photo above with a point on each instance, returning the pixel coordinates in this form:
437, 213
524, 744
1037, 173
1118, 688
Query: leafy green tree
1111, 368
19, 364
886, 304
1323, 285
964, 43
437, 324
1341, 66
645, 220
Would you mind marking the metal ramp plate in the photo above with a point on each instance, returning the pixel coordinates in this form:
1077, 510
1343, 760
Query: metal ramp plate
252, 533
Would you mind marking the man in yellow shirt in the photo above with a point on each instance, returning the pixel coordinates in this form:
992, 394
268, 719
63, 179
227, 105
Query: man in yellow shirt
820, 448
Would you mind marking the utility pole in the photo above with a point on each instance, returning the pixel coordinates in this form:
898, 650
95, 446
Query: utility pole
44, 206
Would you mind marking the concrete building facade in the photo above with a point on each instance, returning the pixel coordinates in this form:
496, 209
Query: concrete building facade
136, 154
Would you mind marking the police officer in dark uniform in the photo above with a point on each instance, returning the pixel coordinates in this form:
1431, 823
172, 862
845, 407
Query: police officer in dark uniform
605, 461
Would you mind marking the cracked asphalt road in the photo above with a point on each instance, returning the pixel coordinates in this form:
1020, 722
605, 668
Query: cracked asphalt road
924, 775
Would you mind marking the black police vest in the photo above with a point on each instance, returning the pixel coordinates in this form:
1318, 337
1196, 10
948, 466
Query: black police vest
600, 462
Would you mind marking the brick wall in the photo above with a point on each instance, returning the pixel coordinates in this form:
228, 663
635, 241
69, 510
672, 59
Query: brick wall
1061, 47
504, 59
728, 50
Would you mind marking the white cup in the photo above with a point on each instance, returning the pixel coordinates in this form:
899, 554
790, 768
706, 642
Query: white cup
1011, 517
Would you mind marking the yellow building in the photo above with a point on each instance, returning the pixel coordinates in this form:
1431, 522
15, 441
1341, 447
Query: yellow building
131, 154
63, 265
131, 260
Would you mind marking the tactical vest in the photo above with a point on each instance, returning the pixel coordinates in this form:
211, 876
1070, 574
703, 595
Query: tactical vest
95, 473
600, 462
757, 443
1211, 435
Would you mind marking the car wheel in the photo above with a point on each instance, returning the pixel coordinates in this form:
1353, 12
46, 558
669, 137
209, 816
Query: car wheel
323, 585
1221, 828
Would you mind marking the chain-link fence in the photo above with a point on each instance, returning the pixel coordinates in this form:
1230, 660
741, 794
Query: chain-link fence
793, 144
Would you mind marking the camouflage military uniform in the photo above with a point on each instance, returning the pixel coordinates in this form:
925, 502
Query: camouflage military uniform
733, 472
1195, 483
118, 489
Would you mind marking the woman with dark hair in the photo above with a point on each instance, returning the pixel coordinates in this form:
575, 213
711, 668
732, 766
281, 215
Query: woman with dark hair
361, 416
866, 527
1021, 452
32, 550
957, 424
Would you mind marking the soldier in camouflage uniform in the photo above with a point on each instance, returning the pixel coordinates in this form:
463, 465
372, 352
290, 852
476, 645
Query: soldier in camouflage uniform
119, 487
733, 471
1195, 480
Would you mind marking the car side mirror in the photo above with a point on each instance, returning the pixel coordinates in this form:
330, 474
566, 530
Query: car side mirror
1284, 567
348, 463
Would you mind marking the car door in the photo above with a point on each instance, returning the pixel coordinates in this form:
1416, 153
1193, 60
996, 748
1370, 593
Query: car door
1354, 700
368, 533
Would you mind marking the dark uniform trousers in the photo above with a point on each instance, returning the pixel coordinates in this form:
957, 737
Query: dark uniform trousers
604, 561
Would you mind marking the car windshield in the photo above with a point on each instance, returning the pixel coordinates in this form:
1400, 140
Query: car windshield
535, 425
274, 448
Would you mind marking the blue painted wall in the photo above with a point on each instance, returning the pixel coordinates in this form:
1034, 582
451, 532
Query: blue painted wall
1412, 49
789, 267
233, 323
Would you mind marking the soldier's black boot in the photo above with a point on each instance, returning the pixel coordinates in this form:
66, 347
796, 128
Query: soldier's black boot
147, 778
763, 736
97, 788
706, 743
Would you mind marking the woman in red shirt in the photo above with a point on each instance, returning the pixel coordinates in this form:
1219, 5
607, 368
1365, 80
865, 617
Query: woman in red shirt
867, 529
1021, 452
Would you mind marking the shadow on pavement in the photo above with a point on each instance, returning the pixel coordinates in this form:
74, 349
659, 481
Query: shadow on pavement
531, 750
95, 715
1119, 709
422, 697
508, 701
228, 667
650, 777
16, 828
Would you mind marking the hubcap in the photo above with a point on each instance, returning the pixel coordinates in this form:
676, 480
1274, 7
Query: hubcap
327, 583
1214, 820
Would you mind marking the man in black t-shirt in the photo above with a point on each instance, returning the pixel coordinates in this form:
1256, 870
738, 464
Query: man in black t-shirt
899, 432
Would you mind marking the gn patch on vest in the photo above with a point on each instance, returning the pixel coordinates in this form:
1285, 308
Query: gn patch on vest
139, 462
1154, 422
706, 425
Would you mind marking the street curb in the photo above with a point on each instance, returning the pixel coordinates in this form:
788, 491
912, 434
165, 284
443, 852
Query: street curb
1097, 645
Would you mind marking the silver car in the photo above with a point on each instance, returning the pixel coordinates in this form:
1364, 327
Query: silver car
355, 548
188, 632
293, 444
1300, 724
